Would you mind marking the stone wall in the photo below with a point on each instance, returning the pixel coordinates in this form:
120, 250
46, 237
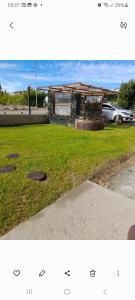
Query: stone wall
50, 104
12, 120
63, 120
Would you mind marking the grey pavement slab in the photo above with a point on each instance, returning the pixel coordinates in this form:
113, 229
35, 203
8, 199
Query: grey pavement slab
87, 212
124, 182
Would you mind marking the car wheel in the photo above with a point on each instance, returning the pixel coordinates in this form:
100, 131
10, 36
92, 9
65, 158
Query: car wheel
118, 119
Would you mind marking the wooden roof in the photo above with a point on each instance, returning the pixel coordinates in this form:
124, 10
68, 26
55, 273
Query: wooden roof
80, 88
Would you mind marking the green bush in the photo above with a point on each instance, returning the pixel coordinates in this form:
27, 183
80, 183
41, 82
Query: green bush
22, 99
126, 97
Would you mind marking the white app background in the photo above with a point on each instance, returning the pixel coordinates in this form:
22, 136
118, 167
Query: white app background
67, 30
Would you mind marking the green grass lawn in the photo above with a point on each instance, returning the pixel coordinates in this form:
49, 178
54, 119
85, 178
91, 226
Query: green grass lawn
67, 155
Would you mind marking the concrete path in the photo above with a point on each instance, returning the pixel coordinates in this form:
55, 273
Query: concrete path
87, 212
124, 182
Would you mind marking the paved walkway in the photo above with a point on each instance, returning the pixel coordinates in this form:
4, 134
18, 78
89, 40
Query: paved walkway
124, 182
87, 212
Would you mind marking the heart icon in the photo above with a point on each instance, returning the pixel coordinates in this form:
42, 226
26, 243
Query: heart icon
16, 272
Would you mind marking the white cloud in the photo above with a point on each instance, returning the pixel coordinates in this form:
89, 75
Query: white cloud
108, 72
12, 86
6, 66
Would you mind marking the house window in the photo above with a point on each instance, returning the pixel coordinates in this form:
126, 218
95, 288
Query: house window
93, 99
63, 104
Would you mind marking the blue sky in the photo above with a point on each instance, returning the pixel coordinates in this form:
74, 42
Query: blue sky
17, 75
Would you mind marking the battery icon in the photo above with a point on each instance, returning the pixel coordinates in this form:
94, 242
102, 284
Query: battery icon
29, 4
126, 4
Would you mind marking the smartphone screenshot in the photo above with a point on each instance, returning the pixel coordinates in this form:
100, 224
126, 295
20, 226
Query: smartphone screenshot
67, 149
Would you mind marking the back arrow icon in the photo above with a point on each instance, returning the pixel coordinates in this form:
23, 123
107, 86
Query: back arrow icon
11, 25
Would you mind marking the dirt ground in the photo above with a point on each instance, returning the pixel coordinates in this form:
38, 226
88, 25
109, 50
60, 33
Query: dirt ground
119, 176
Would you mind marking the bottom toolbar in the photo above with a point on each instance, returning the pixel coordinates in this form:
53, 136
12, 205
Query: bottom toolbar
67, 270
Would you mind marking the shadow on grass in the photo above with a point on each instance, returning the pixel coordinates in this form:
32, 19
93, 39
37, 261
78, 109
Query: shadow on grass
24, 126
110, 126
121, 126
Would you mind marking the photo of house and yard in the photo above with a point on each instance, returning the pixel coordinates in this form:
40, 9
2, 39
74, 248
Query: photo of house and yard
67, 149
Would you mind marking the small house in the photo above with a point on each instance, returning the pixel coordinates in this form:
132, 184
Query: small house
69, 102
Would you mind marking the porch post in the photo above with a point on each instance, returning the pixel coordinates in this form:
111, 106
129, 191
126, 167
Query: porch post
50, 105
73, 106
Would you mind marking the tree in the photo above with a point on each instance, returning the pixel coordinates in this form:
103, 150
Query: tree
111, 98
21, 98
40, 98
126, 97
1, 90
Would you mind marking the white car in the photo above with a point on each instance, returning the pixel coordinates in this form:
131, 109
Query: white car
113, 112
